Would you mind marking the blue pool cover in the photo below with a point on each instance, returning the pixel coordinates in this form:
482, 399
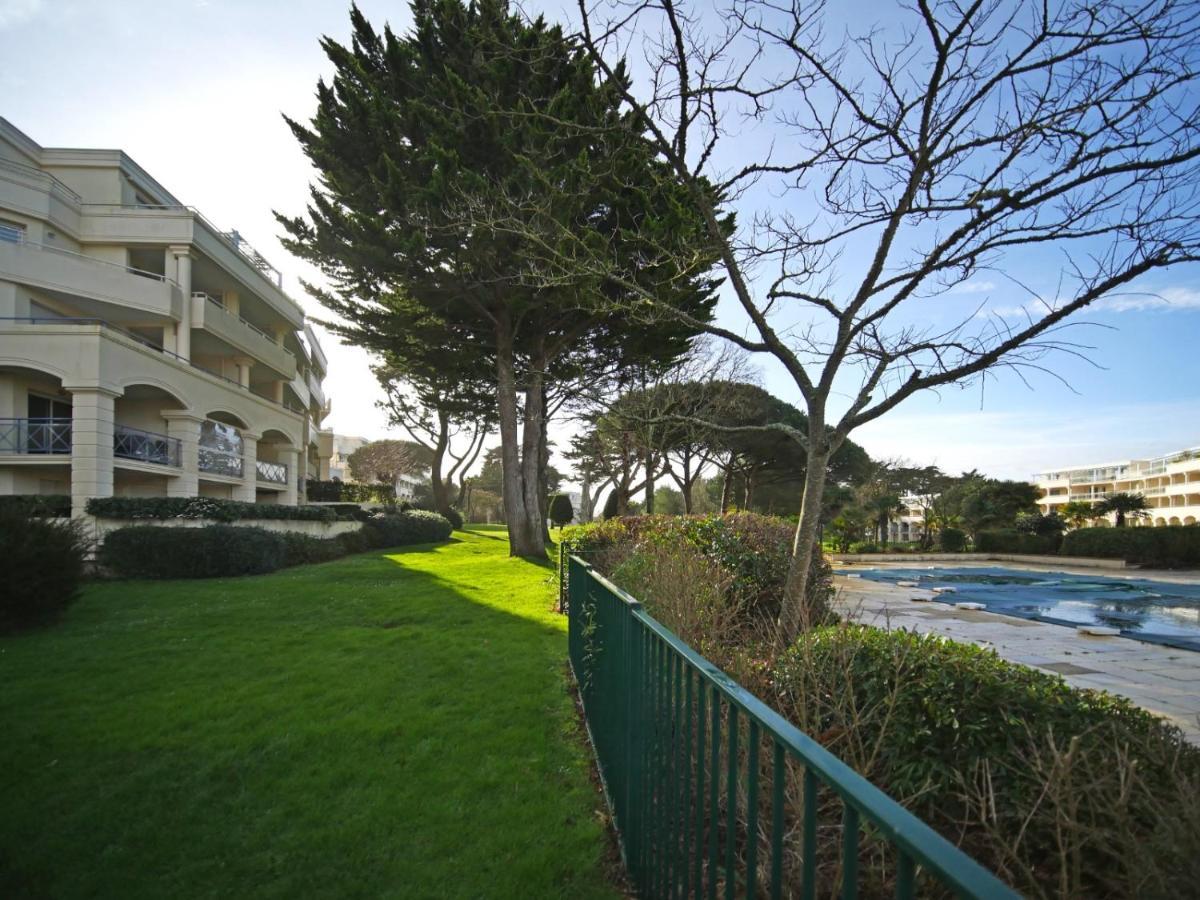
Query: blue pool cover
1161, 612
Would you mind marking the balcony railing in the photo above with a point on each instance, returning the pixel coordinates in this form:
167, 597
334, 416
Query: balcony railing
209, 298
220, 462
146, 446
17, 236
35, 436
272, 473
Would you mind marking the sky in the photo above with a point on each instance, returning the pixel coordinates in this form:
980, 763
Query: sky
193, 90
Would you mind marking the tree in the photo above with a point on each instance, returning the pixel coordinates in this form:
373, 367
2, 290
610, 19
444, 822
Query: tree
386, 461
1124, 505
561, 513
416, 141
991, 503
913, 160
1078, 513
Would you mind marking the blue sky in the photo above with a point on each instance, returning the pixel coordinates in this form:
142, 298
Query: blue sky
193, 92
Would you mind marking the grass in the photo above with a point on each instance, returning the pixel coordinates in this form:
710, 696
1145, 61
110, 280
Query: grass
380, 726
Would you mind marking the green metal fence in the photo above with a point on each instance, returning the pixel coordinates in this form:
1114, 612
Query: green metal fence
714, 794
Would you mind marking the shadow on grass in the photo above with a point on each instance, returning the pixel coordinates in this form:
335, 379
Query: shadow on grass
380, 720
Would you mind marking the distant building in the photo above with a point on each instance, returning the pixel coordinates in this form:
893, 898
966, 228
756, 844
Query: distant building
1170, 484
342, 446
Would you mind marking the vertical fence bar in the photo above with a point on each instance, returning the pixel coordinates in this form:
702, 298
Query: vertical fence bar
731, 797
905, 877
672, 772
809, 869
656, 791
849, 852
688, 785
647, 752
778, 796
701, 731
752, 810
714, 796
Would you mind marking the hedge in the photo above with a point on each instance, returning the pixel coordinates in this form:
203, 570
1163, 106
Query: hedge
43, 565
47, 505
151, 551
348, 492
1007, 540
203, 508
1166, 546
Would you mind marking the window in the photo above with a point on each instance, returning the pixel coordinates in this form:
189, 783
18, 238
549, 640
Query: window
49, 425
12, 232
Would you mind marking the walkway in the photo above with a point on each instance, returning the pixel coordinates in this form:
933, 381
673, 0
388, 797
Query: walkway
1161, 679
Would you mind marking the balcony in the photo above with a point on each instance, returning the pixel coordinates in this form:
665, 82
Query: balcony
220, 462
35, 437
146, 446
210, 314
272, 473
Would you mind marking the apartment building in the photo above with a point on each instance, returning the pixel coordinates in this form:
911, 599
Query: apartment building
1170, 484
143, 351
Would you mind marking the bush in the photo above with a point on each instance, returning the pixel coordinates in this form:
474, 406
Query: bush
151, 551
47, 505
754, 552
1008, 762
348, 492
203, 508
864, 547
952, 540
412, 527
43, 565
561, 512
454, 517
1165, 546
1007, 540
300, 549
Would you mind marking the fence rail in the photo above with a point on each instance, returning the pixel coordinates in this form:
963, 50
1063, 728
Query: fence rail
714, 794
35, 436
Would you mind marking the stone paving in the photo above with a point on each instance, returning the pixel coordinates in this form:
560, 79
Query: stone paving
1163, 680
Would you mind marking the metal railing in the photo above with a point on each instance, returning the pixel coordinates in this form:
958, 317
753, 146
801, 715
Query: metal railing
209, 298
35, 436
697, 772
273, 473
220, 462
146, 446
53, 185
17, 236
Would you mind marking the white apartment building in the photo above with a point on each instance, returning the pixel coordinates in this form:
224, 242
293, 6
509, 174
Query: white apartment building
143, 351
1170, 484
339, 461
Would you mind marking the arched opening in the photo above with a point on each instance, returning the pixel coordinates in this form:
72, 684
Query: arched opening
145, 455
35, 430
1174, 520
1189, 520
222, 453
275, 466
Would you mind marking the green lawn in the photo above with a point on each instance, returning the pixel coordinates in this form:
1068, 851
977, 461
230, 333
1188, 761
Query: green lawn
381, 726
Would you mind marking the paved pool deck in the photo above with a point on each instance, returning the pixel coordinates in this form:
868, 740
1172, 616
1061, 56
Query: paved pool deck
1164, 680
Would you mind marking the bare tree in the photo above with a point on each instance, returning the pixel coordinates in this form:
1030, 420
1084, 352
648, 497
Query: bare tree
902, 163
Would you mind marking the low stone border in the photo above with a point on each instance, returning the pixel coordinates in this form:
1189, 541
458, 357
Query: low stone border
1081, 561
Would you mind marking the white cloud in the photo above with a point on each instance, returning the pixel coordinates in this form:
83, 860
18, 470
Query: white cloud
1169, 299
973, 287
14, 12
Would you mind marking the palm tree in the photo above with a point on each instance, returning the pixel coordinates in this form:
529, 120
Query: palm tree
1078, 512
882, 507
1133, 506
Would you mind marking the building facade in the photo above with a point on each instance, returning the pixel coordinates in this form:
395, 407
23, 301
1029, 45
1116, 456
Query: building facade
1170, 484
143, 352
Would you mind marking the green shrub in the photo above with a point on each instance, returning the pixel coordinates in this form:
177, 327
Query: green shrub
864, 547
1007, 761
348, 492
152, 551
412, 527
43, 564
753, 550
1007, 540
560, 512
300, 549
454, 517
47, 505
1165, 546
952, 540
203, 508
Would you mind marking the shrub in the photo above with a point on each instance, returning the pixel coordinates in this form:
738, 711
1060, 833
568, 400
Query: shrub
1007, 540
754, 551
300, 549
203, 508
151, 551
1028, 775
864, 547
1164, 545
412, 527
47, 505
952, 540
561, 512
348, 492
43, 565
455, 518
1036, 523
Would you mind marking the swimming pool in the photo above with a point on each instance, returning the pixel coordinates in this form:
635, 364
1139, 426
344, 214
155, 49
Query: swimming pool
1158, 611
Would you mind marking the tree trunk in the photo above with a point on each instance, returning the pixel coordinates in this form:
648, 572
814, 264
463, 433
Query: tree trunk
793, 613
648, 462
748, 491
585, 499
726, 489
687, 485
543, 500
523, 535
532, 438
441, 499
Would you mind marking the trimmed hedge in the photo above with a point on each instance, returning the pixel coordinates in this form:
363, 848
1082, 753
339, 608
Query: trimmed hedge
43, 565
1008, 540
151, 551
952, 540
1166, 546
455, 518
348, 492
46, 505
203, 508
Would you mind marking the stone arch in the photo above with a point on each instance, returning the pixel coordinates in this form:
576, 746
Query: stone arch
171, 390
227, 417
1174, 520
1189, 520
